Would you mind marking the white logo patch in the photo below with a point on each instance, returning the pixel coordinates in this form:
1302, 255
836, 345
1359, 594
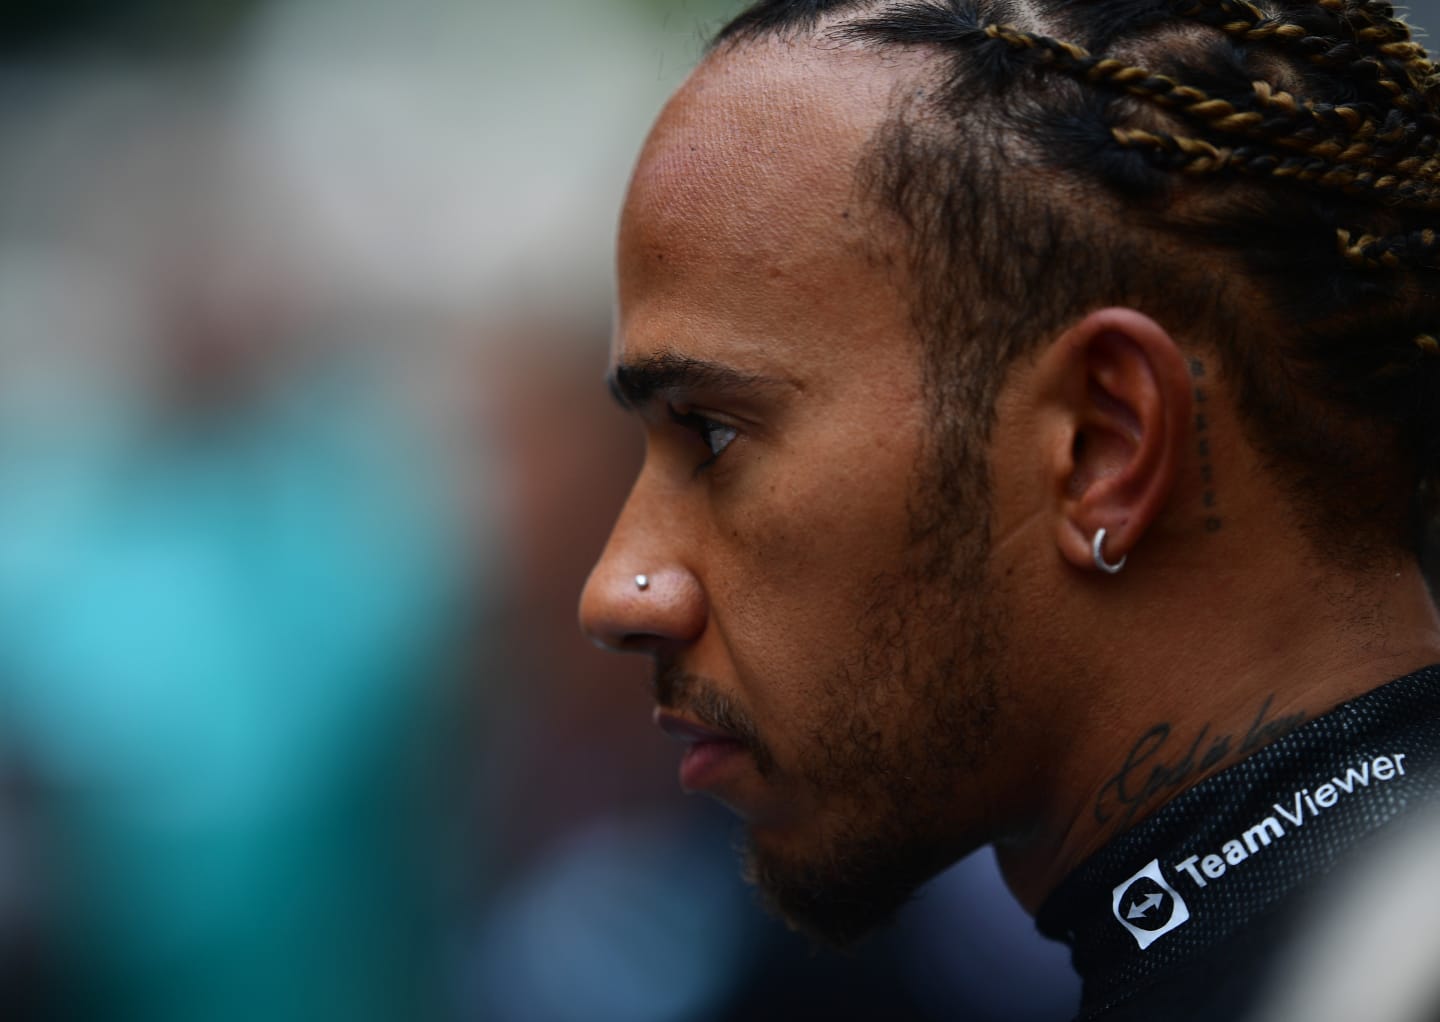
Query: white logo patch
1148, 906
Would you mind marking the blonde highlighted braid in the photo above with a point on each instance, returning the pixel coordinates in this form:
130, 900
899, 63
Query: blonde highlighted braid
1263, 175
1349, 151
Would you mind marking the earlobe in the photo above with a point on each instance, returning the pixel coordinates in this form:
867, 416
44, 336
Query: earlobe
1125, 395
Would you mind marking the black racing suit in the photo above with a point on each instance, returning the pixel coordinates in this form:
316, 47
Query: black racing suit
1182, 916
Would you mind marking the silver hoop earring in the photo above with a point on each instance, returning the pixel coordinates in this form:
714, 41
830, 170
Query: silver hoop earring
1097, 550
642, 582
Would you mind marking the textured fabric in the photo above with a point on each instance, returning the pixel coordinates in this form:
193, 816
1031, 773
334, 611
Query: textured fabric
1179, 916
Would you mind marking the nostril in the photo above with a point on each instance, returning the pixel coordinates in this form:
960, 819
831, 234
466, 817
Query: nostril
612, 612
648, 643
641, 611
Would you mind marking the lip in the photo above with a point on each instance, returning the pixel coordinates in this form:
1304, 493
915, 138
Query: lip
711, 756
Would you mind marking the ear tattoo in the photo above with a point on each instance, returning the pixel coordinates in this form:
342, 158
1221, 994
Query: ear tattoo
1097, 551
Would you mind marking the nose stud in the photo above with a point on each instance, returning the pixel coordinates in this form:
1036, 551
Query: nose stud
642, 582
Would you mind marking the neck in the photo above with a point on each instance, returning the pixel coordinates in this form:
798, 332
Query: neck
1219, 675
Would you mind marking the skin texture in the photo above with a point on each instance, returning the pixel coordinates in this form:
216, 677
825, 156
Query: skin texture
903, 695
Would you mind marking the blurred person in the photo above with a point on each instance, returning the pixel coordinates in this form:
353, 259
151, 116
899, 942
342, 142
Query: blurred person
1039, 405
227, 643
236, 579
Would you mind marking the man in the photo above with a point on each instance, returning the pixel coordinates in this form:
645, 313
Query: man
1036, 400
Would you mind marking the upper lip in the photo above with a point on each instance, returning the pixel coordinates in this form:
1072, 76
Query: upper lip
682, 729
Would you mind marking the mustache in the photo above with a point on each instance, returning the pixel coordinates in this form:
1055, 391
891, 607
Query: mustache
680, 690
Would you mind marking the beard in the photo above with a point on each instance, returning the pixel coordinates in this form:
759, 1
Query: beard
900, 729
896, 776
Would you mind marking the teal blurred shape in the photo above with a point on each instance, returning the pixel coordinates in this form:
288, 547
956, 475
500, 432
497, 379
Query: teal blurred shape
222, 653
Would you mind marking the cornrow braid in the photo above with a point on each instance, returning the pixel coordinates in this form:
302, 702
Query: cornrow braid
1391, 141
1332, 163
1384, 39
1397, 79
1390, 35
1375, 253
1197, 156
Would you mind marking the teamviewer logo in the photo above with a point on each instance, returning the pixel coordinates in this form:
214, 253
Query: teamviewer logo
1148, 906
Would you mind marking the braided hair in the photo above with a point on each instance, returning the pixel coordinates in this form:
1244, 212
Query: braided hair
1263, 178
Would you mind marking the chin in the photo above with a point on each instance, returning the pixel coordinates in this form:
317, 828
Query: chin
845, 890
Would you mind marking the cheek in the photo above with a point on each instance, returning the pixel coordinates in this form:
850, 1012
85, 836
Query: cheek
795, 566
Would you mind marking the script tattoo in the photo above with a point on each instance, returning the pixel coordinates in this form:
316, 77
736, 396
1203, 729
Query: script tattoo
1202, 433
1153, 766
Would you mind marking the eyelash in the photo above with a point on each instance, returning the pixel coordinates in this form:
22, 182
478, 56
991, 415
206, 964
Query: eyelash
705, 428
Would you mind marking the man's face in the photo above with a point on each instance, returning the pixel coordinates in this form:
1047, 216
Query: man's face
826, 656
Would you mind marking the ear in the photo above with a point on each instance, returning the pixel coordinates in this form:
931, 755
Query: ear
1123, 392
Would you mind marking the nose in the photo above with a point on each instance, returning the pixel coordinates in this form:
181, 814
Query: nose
641, 597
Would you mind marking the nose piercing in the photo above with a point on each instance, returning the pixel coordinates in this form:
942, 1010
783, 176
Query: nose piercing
642, 582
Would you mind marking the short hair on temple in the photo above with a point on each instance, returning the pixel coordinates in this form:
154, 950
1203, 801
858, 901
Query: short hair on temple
1262, 178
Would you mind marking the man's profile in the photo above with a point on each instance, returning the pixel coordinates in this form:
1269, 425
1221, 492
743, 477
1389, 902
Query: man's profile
1040, 415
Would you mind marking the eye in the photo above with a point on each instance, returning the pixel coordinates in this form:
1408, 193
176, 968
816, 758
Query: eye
716, 436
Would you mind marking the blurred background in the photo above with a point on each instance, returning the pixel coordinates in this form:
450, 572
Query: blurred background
304, 456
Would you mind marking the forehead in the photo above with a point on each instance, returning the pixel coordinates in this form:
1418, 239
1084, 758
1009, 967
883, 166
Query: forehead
772, 123
745, 198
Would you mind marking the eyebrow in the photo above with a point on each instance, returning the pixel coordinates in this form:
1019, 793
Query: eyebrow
636, 383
